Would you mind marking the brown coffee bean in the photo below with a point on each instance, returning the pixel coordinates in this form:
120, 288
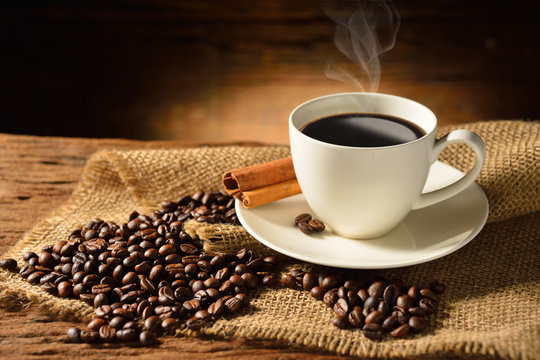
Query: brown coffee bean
400, 315
192, 305
74, 335
118, 322
389, 323
355, 317
65, 289
216, 308
202, 314
288, 281
101, 289
329, 282
371, 303
8, 264
153, 323
96, 323
374, 317
417, 311
28, 255
376, 289
194, 323
373, 331
363, 294
233, 305
304, 227
104, 311
427, 293
146, 338
309, 281
390, 294
316, 225
46, 259
107, 333
250, 280
126, 314
302, 218
269, 280
413, 292
127, 335
341, 307
400, 331
317, 292
340, 321
89, 336
34, 277
330, 298
428, 305
169, 324
418, 324
404, 301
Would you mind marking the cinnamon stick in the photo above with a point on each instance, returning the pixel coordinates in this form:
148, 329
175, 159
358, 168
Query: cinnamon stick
262, 183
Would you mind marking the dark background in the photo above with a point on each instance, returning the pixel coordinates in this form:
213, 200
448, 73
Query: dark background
233, 70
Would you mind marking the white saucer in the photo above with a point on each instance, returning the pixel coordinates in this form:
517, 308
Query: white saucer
425, 234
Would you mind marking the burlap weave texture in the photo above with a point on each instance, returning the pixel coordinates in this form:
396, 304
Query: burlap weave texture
492, 301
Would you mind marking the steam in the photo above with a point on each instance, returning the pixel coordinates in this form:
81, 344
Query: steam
364, 30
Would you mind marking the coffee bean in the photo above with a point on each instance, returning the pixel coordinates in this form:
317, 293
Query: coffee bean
126, 314
288, 281
330, 298
96, 324
195, 323
413, 292
400, 331
428, 305
305, 228
118, 322
418, 324
389, 323
371, 303
65, 289
89, 336
127, 335
400, 315
341, 307
29, 255
169, 324
103, 311
107, 333
317, 292
74, 335
233, 305
427, 293
46, 259
417, 311
375, 317
153, 323
376, 289
316, 225
302, 218
404, 301
269, 280
216, 308
340, 321
330, 282
373, 331
192, 305
309, 281
355, 317
34, 277
8, 264
390, 294
146, 338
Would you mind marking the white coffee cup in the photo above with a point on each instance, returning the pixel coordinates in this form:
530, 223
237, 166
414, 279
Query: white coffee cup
364, 192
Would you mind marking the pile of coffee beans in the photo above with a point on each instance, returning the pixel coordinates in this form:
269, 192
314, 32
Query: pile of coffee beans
149, 277
307, 224
376, 306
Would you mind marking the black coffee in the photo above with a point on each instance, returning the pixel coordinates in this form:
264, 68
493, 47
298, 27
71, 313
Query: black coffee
362, 130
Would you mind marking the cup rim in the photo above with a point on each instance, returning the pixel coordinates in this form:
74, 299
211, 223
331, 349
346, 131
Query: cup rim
292, 127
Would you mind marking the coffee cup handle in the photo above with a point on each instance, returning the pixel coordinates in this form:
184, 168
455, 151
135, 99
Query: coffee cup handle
456, 136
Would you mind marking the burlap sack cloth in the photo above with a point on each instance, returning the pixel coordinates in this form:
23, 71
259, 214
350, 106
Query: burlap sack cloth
492, 301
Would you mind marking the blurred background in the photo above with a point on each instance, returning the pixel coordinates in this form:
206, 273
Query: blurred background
218, 70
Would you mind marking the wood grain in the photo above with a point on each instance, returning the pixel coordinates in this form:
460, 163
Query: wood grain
37, 174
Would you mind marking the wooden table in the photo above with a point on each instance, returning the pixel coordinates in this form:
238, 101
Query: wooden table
37, 174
